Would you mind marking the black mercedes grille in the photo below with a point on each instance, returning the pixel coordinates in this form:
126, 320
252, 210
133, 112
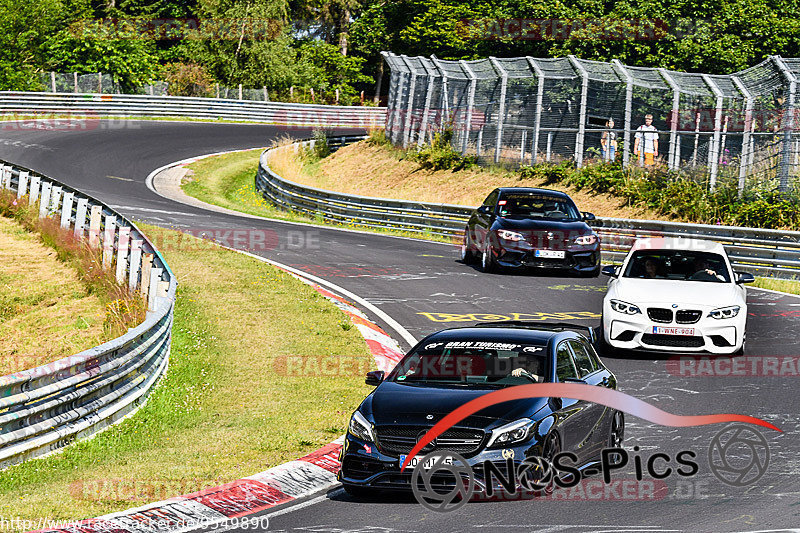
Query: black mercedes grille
397, 440
675, 341
659, 314
687, 316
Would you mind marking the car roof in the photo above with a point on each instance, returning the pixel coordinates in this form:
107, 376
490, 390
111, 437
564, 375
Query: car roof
533, 190
498, 333
678, 243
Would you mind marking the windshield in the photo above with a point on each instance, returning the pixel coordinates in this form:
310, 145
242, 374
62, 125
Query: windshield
678, 265
473, 363
517, 205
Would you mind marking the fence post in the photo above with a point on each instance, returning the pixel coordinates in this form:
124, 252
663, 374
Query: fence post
395, 94
501, 111
80, 217
135, 263
626, 136
35, 185
713, 152
100, 83
53, 81
788, 124
240, 91
427, 108
75, 81
66, 209
537, 122
44, 201
748, 119
94, 226
581, 136
672, 163
22, 186
122, 253
445, 109
109, 232
266, 95
473, 81
412, 87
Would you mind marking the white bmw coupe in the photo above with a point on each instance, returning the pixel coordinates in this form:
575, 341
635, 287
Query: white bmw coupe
678, 295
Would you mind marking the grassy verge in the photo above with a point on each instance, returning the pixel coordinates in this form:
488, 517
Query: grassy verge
780, 285
226, 408
228, 181
46, 313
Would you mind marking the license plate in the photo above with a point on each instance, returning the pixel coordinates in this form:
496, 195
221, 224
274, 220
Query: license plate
427, 466
550, 254
661, 330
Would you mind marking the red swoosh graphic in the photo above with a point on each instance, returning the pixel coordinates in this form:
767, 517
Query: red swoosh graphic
578, 391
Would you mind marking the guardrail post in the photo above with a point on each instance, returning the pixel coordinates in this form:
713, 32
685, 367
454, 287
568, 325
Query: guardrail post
501, 111
147, 266
153, 288
94, 226
626, 136
581, 135
55, 199
135, 263
672, 162
44, 201
537, 121
66, 209
788, 123
35, 185
122, 253
80, 217
713, 152
473, 81
22, 186
109, 232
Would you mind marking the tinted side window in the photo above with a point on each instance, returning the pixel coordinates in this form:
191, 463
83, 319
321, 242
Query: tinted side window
564, 365
491, 200
583, 359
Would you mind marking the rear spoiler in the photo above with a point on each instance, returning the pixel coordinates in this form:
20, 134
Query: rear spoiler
550, 326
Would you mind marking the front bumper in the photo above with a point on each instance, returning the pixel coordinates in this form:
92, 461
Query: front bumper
636, 332
375, 470
523, 255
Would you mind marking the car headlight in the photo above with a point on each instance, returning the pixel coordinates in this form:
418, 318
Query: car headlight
510, 235
586, 239
725, 312
361, 428
511, 434
625, 308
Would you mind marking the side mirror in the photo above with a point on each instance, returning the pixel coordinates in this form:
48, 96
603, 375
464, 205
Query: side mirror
374, 378
588, 216
484, 210
610, 271
744, 277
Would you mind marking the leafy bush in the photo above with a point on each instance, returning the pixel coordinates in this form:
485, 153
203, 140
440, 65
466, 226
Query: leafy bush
321, 148
440, 155
186, 79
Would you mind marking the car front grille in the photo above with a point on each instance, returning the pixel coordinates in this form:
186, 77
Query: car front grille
659, 314
673, 341
687, 316
398, 440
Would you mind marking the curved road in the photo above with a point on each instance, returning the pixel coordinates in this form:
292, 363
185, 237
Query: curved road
425, 288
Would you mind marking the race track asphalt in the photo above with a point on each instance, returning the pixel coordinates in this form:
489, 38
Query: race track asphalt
424, 287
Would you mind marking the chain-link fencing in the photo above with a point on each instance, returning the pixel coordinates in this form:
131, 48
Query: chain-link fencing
740, 129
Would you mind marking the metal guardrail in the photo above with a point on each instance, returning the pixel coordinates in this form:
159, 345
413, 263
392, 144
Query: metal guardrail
131, 105
46, 408
765, 252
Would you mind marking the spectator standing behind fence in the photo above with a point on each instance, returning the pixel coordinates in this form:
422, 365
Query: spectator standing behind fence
645, 145
608, 141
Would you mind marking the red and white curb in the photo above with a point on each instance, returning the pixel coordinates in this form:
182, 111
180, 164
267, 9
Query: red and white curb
225, 505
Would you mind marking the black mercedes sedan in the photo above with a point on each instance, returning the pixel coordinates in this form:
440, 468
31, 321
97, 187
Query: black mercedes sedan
518, 227
448, 369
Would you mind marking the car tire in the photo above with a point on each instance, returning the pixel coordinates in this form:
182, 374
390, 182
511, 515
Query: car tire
361, 493
605, 348
616, 434
740, 351
487, 258
551, 448
593, 273
467, 252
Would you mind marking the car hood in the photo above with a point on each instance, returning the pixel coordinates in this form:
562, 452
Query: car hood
405, 403
696, 293
577, 227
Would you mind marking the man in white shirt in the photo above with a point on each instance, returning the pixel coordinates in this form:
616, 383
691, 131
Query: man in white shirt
645, 145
